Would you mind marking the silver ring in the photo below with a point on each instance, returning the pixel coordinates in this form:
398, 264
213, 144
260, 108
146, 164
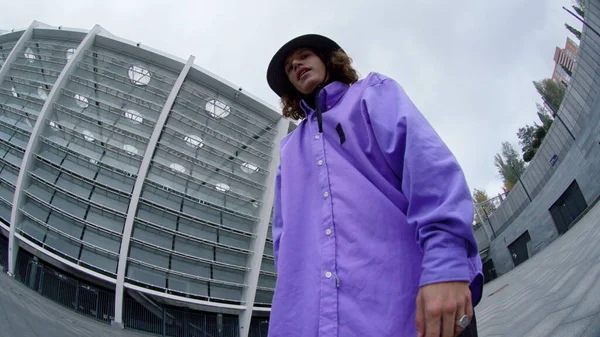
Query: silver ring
463, 322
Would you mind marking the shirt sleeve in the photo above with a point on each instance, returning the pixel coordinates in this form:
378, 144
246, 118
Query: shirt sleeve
277, 218
439, 200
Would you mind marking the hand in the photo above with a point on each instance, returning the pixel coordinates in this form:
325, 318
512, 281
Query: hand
439, 306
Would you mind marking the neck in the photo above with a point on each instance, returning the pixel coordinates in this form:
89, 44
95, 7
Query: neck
311, 98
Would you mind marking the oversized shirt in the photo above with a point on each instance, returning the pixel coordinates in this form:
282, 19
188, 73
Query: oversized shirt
365, 213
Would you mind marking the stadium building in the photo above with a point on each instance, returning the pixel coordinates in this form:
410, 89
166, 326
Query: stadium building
136, 187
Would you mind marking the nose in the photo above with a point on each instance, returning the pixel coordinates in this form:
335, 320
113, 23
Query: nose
296, 63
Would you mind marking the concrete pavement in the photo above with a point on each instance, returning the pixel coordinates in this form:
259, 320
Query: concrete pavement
554, 293
25, 313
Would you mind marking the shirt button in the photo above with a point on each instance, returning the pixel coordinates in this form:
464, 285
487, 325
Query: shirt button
326, 194
320, 162
328, 274
314, 118
328, 231
317, 137
329, 107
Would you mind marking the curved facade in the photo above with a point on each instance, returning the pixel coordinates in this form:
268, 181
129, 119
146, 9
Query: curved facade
561, 181
137, 168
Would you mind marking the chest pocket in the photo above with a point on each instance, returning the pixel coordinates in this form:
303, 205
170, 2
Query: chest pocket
340, 132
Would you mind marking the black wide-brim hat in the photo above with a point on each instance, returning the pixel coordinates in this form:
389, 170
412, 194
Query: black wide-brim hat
276, 76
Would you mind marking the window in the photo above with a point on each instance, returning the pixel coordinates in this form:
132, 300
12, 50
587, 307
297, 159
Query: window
81, 101
69, 54
139, 75
130, 149
87, 135
54, 125
178, 168
193, 141
42, 93
217, 109
134, 116
222, 187
29, 55
249, 168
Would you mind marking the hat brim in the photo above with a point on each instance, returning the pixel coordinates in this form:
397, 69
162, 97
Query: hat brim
276, 76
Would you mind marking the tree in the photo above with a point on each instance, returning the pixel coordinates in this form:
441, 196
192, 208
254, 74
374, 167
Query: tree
526, 136
544, 116
552, 93
531, 136
573, 30
581, 4
579, 11
509, 164
480, 196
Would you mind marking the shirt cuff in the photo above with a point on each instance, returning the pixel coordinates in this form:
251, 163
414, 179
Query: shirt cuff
445, 264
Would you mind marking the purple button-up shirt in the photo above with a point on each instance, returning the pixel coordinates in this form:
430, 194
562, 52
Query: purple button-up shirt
365, 213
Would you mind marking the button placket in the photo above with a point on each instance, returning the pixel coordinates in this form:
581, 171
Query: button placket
329, 279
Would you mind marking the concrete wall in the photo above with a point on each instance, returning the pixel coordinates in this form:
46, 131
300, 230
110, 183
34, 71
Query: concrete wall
577, 159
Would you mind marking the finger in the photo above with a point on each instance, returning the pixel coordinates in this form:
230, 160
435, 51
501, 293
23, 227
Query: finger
460, 312
419, 317
469, 308
433, 319
449, 319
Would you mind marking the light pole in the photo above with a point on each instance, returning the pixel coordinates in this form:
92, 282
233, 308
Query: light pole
521, 181
582, 21
556, 115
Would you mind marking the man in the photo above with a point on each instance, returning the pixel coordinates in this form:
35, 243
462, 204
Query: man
372, 220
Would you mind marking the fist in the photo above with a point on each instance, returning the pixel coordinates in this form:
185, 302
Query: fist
440, 306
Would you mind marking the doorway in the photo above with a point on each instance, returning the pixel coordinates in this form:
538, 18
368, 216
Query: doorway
489, 271
518, 249
568, 207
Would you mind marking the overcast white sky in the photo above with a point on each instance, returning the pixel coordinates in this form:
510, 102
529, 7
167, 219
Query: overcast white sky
468, 65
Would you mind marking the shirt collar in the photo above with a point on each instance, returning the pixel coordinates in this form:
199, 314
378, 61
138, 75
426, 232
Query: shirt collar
328, 97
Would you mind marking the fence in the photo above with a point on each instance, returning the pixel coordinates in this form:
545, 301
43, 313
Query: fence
98, 304
66, 291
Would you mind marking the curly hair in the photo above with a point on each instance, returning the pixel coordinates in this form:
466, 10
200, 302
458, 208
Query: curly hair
339, 68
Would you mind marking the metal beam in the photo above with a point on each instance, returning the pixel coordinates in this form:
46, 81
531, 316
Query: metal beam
258, 244
34, 140
137, 191
14, 53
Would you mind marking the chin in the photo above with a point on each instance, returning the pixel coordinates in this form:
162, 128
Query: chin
310, 85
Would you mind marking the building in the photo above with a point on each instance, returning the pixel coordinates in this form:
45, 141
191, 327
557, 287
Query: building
138, 176
561, 182
564, 59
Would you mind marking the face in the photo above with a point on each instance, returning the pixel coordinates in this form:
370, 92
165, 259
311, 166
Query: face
305, 70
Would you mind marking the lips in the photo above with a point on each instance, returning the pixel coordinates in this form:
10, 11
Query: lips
301, 72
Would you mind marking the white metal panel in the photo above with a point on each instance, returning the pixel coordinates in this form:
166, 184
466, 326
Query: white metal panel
258, 244
34, 140
137, 190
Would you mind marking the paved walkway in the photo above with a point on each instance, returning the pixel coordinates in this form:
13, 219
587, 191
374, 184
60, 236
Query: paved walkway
555, 293
25, 313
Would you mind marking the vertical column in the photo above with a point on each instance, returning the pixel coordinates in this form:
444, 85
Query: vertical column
33, 144
137, 191
14, 54
258, 244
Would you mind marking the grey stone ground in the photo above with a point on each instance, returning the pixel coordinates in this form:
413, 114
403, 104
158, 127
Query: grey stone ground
25, 313
555, 293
